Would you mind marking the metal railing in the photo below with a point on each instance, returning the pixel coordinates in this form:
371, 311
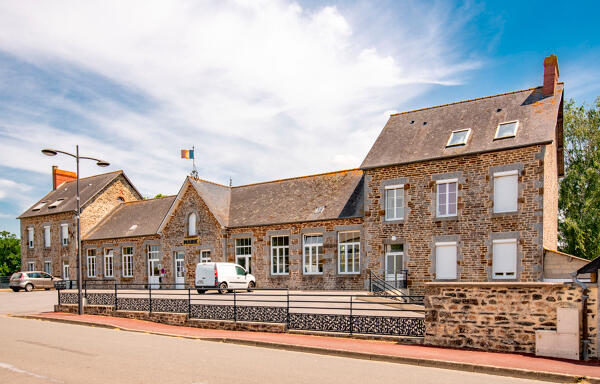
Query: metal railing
4, 281
398, 282
301, 310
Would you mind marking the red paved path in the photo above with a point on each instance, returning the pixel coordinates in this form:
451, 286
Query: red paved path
504, 360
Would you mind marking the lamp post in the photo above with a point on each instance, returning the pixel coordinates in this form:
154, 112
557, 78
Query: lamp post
100, 163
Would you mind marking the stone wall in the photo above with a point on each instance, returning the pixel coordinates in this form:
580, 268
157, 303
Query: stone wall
495, 316
140, 260
57, 253
105, 201
475, 224
296, 279
210, 236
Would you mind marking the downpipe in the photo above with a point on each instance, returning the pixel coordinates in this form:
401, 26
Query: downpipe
584, 323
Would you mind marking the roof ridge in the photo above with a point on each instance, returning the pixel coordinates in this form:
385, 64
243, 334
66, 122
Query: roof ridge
89, 177
147, 200
300, 177
466, 101
207, 181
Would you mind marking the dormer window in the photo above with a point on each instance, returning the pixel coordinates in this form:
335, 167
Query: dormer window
39, 206
55, 204
459, 137
508, 129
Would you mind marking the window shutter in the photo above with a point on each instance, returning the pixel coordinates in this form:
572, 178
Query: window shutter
47, 236
445, 260
505, 259
192, 224
506, 190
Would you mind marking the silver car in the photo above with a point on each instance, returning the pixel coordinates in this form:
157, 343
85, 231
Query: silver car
31, 280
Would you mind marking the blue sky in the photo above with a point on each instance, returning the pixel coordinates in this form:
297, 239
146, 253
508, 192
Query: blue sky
264, 89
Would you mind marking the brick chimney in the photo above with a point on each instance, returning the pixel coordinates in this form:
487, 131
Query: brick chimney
59, 176
550, 75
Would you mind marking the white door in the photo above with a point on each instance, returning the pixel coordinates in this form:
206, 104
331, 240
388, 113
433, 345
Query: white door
393, 268
179, 270
245, 261
154, 266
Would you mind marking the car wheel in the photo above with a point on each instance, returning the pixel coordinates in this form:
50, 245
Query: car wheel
29, 287
201, 291
15, 289
223, 288
251, 286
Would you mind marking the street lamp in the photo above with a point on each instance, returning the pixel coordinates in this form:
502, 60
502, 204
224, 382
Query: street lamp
100, 163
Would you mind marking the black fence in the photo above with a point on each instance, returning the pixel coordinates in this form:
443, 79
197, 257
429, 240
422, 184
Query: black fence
4, 281
319, 311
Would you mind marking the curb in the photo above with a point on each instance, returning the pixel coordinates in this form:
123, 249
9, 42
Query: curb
431, 363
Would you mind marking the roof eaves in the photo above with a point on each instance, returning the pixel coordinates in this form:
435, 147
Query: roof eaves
296, 221
545, 142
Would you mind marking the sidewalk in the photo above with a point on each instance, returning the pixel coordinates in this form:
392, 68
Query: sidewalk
505, 364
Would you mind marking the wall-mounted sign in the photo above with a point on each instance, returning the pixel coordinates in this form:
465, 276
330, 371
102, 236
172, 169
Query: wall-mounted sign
193, 240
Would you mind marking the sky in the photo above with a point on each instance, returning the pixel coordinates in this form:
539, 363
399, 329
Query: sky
263, 89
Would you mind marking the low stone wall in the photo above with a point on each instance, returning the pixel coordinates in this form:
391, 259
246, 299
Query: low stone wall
174, 319
496, 316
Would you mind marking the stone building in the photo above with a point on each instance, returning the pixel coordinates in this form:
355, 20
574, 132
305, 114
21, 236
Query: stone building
466, 191
49, 227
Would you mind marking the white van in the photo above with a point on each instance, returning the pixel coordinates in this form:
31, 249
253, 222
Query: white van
223, 277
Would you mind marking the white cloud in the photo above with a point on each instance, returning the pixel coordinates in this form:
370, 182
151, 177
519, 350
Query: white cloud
264, 89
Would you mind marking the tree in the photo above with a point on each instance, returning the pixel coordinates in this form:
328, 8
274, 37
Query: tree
579, 196
10, 253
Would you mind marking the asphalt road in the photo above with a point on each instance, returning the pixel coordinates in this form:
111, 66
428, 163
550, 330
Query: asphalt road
36, 351
27, 302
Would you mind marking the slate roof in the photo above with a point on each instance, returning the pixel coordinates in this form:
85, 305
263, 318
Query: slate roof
89, 187
591, 267
135, 218
423, 134
324, 196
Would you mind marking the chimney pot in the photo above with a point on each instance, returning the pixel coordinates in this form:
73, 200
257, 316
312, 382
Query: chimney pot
550, 75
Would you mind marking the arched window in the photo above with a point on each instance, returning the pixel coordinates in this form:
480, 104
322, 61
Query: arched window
192, 224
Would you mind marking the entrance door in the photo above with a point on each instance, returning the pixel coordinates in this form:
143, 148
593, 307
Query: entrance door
179, 270
154, 266
393, 265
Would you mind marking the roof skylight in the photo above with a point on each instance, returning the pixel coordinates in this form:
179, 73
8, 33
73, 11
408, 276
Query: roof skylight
459, 137
39, 206
508, 129
55, 204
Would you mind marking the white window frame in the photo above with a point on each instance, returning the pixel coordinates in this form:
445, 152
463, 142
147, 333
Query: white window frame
312, 248
127, 261
348, 266
192, 218
496, 137
203, 257
468, 130
399, 188
91, 263
46, 263
441, 244
56, 203
278, 257
176, 259
505, 274
498, 175
66, 268
64, 234
247, 256
47, 236
109, 262
437, 197
30, 237
30, 266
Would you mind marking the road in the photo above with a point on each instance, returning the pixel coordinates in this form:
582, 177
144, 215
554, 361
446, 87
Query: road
27, 302
36, 351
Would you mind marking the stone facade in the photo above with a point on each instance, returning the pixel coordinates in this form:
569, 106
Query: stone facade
210, 236
105, 201
140, 259
330, 278
58, 254
473, 228
497, 316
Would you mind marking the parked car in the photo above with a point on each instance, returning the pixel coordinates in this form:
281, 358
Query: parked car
31, 280
223, 277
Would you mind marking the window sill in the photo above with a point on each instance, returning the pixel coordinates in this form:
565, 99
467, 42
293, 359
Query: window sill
446, 218
446, 280
394, 221
313, 273
348, 273
507, 213
280, 274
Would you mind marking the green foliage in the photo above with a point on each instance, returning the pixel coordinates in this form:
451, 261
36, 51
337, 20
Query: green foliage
159, 195
579, 198
10, 253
